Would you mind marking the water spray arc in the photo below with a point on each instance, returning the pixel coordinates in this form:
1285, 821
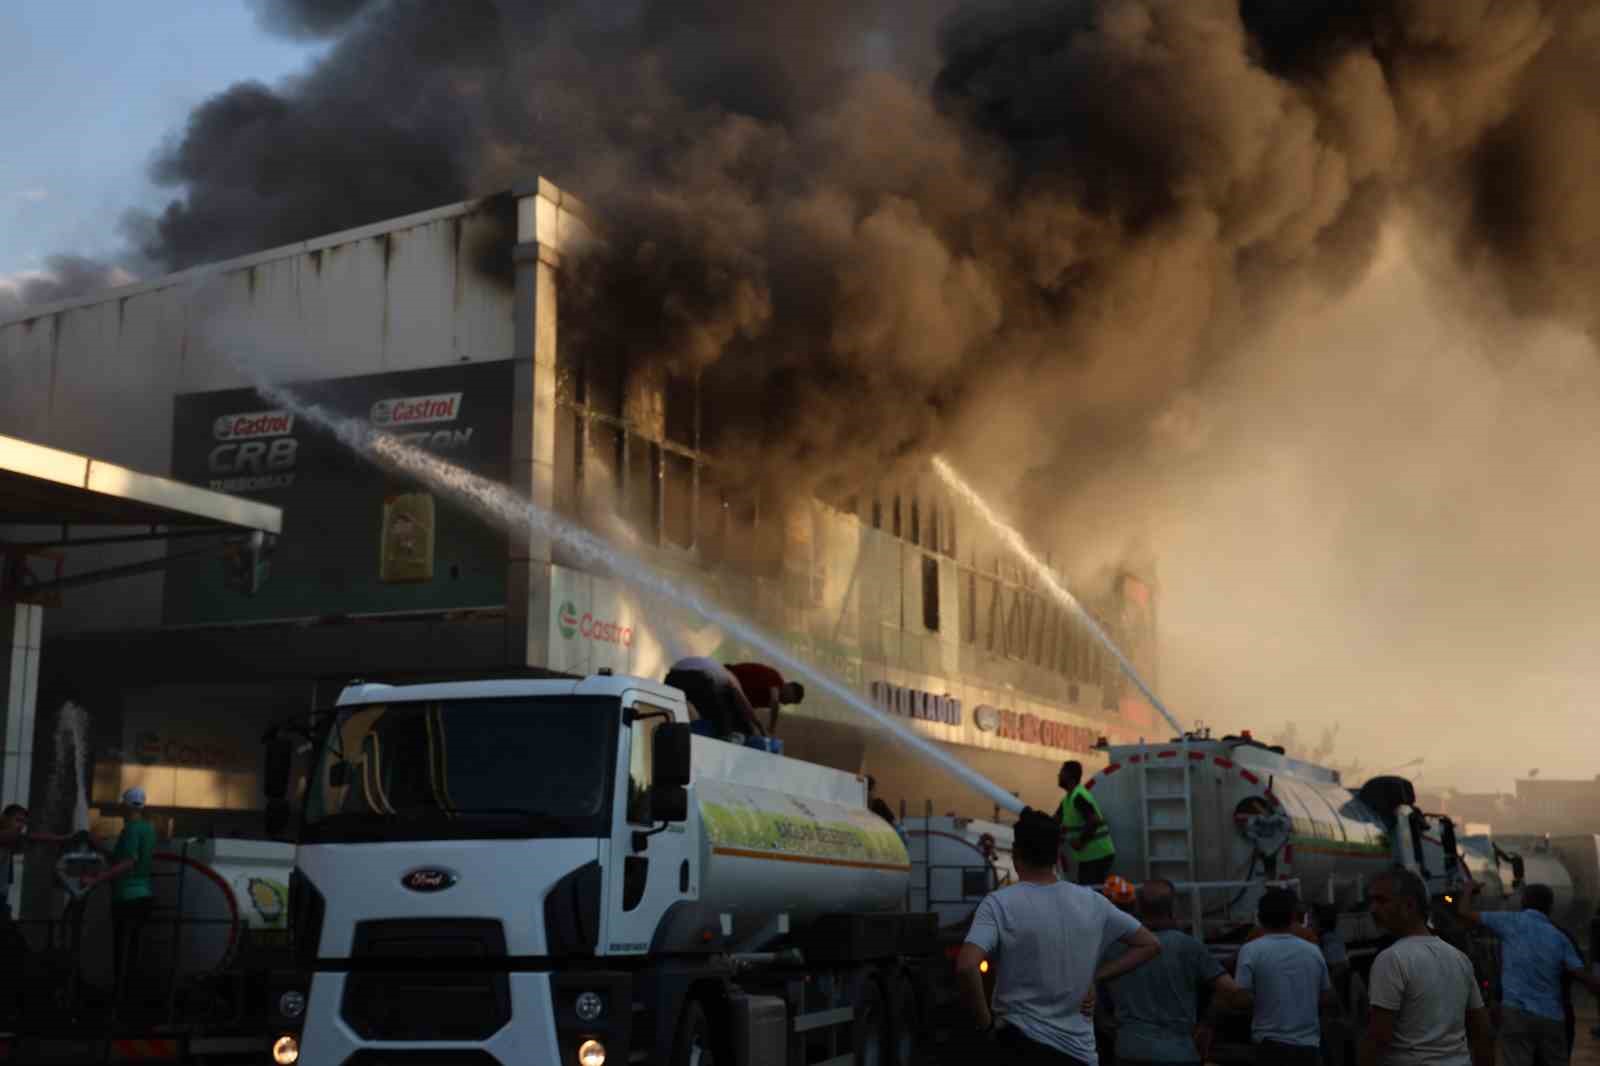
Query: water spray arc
1019, 547
500, 505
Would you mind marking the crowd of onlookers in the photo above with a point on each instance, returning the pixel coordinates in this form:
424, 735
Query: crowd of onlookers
1079, 975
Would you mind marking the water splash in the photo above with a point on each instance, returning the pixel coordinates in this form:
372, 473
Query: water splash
1020, 549
72, 762
498, 504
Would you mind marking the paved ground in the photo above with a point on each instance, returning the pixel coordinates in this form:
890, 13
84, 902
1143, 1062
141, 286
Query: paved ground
1587, 1051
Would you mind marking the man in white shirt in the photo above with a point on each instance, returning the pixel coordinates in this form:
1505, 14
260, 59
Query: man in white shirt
1426, 1006
1284, 980
1044, 939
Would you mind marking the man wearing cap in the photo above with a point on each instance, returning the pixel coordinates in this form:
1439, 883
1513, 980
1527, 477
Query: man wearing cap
1083, 827
132, 897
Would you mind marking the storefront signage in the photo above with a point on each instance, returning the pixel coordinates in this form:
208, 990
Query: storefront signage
1031, 729
361, 539
158, 749
587, 626
915, 703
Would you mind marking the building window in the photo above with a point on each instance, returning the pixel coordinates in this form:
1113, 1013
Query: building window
969, 613
930, 593
677, 500
895, 518
877, 513
916, 522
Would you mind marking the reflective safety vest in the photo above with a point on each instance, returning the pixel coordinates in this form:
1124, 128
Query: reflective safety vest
1100, 845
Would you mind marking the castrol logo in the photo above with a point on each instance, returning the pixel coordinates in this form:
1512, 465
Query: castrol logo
416, 410
252, 424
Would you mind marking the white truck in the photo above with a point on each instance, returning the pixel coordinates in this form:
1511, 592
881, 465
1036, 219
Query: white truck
572, 871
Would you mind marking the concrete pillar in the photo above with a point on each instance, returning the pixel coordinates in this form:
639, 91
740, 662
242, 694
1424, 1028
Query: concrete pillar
550, 223
21, 637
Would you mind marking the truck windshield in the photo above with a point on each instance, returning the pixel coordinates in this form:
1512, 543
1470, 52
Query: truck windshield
468, 769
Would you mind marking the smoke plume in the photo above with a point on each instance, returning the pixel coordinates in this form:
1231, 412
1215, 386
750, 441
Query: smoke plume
1076, 245
63, 278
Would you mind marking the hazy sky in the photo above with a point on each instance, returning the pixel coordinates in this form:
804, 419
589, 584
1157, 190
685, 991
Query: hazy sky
91, 88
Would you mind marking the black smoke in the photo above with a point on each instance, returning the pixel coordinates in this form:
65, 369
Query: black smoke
309, 19
878, 227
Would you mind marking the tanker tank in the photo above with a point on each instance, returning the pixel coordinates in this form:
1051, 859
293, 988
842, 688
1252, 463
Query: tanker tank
1231, 810
212, 896
781, 841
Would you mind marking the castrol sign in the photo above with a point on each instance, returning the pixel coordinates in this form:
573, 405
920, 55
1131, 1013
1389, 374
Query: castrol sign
402, 411
249, 425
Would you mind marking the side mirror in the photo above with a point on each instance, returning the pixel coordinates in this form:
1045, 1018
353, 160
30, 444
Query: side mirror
277, 817
279, 763
669, 803
670, 759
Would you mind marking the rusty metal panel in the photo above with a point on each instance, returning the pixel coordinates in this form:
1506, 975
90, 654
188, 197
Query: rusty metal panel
419, 286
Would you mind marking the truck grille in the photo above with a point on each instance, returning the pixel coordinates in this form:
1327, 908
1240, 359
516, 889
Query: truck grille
425, 979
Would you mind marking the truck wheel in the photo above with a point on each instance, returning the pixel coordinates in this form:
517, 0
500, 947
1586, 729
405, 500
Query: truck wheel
693, 1045
871, 1028
903, 1021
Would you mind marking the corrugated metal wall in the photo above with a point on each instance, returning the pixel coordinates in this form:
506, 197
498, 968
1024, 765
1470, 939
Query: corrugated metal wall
99, 377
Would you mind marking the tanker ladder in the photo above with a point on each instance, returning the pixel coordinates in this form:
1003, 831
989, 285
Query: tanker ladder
1166, 793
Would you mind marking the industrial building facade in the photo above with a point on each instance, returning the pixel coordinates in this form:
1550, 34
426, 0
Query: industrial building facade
442, 328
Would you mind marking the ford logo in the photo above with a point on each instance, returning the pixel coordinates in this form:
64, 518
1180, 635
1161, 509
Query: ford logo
428, 879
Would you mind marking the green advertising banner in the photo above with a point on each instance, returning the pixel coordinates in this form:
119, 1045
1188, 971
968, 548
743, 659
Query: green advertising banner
356, 539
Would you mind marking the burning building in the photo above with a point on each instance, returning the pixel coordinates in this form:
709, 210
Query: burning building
445, 328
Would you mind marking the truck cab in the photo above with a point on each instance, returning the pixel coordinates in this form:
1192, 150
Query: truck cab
571, 871
447, 825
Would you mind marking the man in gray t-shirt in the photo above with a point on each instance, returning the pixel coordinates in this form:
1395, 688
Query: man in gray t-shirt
1426, 1006
1285, 980
1158, 1005
1042, 941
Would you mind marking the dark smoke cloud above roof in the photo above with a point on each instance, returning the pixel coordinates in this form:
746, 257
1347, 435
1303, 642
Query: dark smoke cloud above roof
880, 225
64, 277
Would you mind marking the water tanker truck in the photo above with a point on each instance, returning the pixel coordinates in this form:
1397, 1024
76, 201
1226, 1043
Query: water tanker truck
595, 870
1223, 818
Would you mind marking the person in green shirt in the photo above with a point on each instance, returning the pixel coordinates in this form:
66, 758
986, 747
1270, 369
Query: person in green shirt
1083, 827
132, 897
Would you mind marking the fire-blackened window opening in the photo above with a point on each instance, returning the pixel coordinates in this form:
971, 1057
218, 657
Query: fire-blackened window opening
930, 594
466, 769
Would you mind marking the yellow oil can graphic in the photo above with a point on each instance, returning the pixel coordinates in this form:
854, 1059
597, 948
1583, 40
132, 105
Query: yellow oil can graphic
406, 554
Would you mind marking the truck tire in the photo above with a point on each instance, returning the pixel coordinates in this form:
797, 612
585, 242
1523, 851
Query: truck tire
693, 1045
872, 1046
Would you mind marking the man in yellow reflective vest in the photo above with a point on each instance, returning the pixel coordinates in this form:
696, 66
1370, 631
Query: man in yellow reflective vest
1083, 828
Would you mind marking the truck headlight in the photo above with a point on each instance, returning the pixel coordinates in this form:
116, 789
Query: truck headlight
592, 1053
286, 1050
292, 1004
590, 1006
